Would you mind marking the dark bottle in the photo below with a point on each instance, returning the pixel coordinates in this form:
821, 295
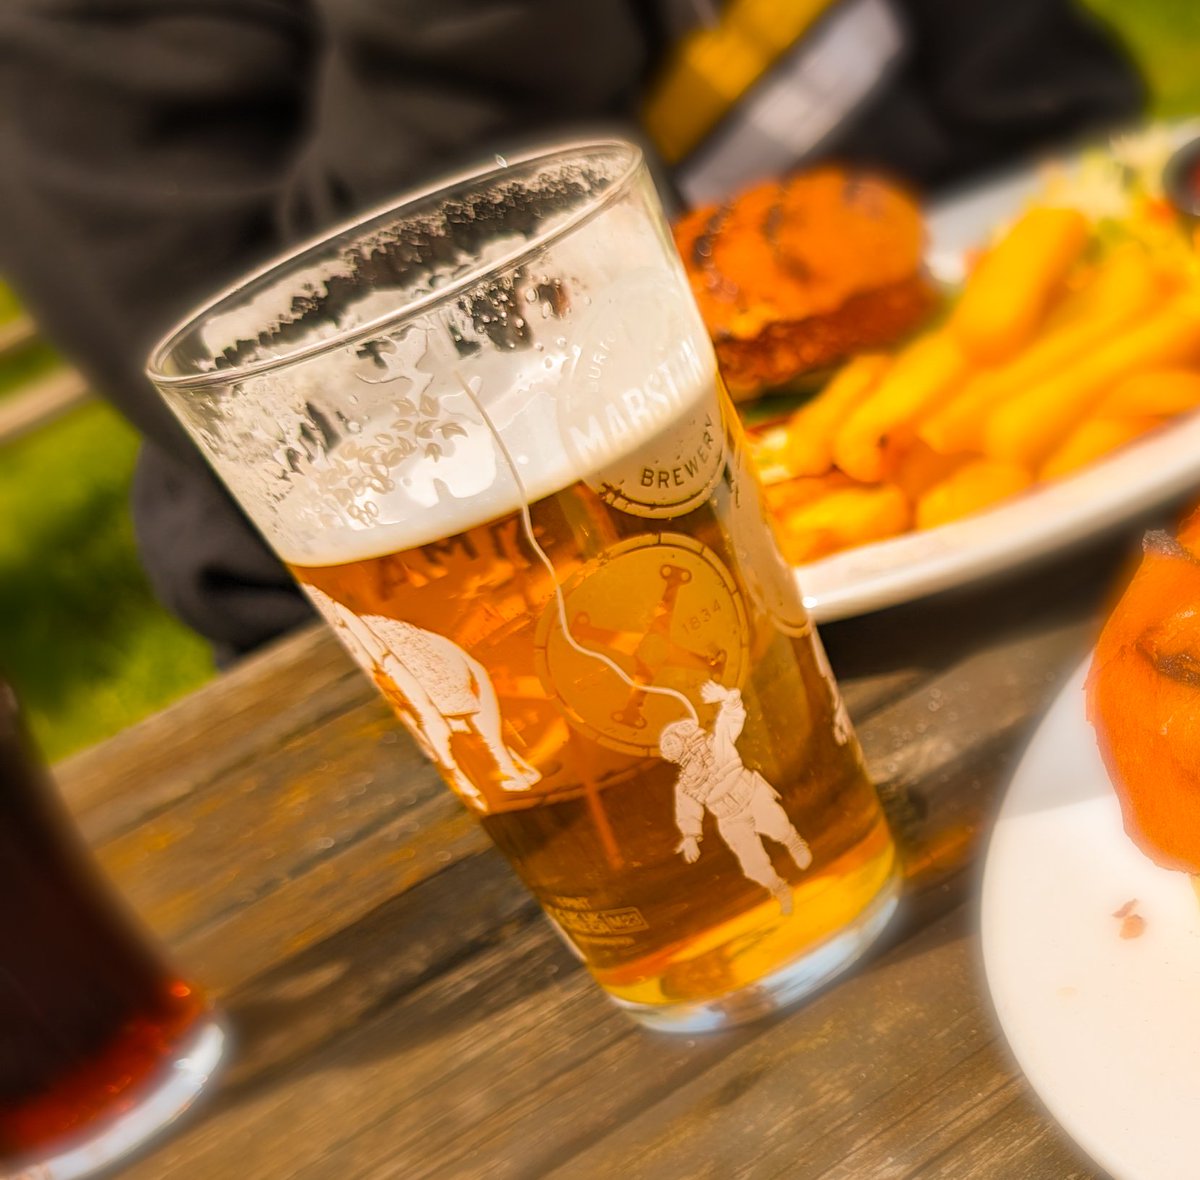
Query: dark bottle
92, 1023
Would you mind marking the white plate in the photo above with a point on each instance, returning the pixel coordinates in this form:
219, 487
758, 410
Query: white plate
1103, 496
1106, 1029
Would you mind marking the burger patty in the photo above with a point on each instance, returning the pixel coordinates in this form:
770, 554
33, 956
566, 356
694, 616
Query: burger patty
797, 274
786, 350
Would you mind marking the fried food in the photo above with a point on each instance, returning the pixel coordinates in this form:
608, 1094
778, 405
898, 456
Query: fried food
1095, 438
1027, 428
924, 375
844, 517
811, 429
1121, 289
971, 488
1143, 698
1074, 335
1015, 281
796, 275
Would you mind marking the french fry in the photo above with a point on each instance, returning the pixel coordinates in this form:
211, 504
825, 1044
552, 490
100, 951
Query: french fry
840, 519
1162, 392
920, 467
1028, 428
1106, 289
788, 495
810, 430
1007, 294
973, 487
924, 375
1093, 439
1125, 287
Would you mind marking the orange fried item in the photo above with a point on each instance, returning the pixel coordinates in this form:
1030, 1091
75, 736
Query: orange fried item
1160, 391
1029, 427
918, 467
842, 518
1143, 698
923, 376
795, 275
1007, 295
811, 429
1092, 440
968, 489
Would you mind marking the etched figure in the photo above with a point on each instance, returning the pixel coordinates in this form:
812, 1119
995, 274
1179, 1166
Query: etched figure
438, 688
713, 778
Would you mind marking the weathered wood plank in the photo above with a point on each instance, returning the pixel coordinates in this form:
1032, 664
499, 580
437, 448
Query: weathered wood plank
396, 993
493, 1133
941, 753
512, 1065
874, 1078
344, 815
244, 715
41, 402
1018, 1142
494, 1034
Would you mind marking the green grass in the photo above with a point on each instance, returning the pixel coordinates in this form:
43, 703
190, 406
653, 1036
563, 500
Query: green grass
1164, 38
83, 641
27, 364
9, 307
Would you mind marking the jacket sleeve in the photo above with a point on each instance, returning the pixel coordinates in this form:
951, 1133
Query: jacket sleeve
154, 150
985, 83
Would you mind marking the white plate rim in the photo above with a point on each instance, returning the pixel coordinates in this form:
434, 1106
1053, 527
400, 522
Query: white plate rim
1145, 1061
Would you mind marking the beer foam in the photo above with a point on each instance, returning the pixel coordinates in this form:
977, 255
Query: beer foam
643, 431
590, 362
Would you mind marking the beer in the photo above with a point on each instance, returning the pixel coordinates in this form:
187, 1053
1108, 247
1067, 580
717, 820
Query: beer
90, 1020
566, 762
484, 431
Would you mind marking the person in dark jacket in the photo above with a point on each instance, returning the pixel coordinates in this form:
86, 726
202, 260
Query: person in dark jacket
151, 151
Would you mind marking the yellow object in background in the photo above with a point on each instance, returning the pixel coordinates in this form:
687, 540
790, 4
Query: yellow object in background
714, 66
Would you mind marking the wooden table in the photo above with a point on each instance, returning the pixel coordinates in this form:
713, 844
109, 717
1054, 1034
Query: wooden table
401, 1009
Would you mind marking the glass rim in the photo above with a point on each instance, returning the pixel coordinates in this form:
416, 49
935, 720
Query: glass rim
169, 342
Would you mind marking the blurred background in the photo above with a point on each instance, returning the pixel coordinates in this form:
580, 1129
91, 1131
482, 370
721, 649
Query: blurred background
83, 640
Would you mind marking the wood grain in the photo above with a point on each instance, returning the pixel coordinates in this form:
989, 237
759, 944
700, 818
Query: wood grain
402, 1010
885, 1076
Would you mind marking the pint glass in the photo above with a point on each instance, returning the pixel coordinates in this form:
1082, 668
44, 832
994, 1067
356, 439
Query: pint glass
485, 431
101, 1043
